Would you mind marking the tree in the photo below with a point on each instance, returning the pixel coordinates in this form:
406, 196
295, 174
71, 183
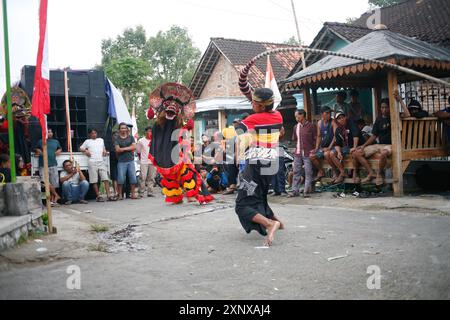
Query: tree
292, 41
384, 3
136, 65
172, 56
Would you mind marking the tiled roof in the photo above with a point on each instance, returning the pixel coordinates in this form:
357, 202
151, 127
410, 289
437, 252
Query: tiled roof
239, 53
426, 20
348, 31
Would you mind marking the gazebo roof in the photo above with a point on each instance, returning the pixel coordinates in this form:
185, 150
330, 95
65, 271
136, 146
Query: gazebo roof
379, 45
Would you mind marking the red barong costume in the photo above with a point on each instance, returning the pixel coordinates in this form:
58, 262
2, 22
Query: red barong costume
173, 105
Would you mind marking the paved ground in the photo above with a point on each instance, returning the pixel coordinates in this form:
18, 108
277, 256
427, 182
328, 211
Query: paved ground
155, 251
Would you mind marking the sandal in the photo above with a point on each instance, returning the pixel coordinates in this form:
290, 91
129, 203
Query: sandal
100, 199
112, 199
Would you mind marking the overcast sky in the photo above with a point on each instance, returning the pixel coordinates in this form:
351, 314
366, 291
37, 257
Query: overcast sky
76, 27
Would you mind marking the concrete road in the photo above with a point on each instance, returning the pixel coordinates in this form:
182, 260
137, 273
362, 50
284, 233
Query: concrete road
193, 252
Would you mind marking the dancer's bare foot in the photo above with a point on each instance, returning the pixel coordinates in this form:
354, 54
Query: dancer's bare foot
271, 233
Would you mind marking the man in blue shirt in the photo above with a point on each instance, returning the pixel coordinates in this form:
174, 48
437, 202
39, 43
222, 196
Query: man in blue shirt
53, 149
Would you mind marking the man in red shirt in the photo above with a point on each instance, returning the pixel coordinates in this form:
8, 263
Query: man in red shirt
304, 136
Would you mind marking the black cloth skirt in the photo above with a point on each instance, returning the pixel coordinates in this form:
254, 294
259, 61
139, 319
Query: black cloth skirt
252, 197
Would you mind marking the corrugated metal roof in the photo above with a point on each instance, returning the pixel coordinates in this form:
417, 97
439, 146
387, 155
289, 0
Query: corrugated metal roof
379, 45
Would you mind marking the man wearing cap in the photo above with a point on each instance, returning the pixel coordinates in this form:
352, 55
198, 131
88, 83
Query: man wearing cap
347, 138
305, 136
264, 128
324, 141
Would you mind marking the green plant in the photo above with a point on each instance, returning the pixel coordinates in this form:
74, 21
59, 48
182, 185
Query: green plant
22, 239
45, 219
97, 247
99, 228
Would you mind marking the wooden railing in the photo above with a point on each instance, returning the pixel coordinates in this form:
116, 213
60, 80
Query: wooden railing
423, 138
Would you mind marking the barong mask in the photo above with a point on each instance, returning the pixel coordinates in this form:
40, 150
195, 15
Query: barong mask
174, 100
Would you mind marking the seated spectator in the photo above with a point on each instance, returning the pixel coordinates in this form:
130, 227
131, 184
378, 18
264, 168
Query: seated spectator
217, 180
324, 141
5, 169
444, 115
347, 138
74, 184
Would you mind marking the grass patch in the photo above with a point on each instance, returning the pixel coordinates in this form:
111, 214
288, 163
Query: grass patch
99, 228
98, 248
22, 239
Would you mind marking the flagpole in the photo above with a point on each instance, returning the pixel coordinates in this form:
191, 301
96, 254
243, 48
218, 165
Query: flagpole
69, 128
12, 154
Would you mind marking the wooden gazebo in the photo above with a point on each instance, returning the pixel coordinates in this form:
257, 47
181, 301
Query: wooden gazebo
412, 139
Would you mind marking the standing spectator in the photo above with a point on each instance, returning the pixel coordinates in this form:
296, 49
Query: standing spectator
355, 109
113, 164
340, 106
54, 149
230, 165
305, 136
94, 149
279, 180
324, 141
147, 169
125, 147
74, 184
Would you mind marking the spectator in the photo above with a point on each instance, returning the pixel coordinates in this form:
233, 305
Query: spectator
216, 180
20, 166
74, 184
355, 109
94, 149
230, 165
125, 146
113, 164
147, 169
279, 180
348, 138
54, 149
444, 115
305, 136
5, 169
324, 141
340, 106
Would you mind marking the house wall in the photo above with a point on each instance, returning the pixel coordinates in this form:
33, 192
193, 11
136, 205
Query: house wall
223, 81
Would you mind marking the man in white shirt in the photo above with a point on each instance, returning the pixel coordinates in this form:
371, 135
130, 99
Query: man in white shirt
147, 173
94, 148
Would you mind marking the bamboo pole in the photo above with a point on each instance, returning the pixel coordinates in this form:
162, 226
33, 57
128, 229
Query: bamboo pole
68, 126
47, 186
298, 34
12, 154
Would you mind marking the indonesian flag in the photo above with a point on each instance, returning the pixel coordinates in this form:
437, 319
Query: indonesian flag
272, 83
41, 91
134, 130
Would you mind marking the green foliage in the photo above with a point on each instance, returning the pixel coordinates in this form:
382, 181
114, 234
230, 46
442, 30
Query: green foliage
137, 64
45, 219
172, 56
292, 41
99, 228
384, 3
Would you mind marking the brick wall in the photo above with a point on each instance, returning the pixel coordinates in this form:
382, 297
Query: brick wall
223, 81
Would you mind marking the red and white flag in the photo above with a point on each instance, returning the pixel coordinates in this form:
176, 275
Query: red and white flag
271, 83
41, 91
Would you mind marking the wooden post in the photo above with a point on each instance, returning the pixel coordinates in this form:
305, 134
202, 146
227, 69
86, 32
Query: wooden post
47, 186
395, 135
68, 125
222, 120
307, 103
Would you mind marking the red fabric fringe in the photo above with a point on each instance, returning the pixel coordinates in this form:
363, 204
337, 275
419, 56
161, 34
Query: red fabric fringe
174, 200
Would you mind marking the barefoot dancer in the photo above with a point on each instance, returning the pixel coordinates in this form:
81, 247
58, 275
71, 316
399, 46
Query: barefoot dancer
262, 163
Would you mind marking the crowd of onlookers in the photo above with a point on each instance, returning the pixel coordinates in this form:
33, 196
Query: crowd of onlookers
340, 132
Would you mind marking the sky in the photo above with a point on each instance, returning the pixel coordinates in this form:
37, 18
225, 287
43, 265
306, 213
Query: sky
77, 27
